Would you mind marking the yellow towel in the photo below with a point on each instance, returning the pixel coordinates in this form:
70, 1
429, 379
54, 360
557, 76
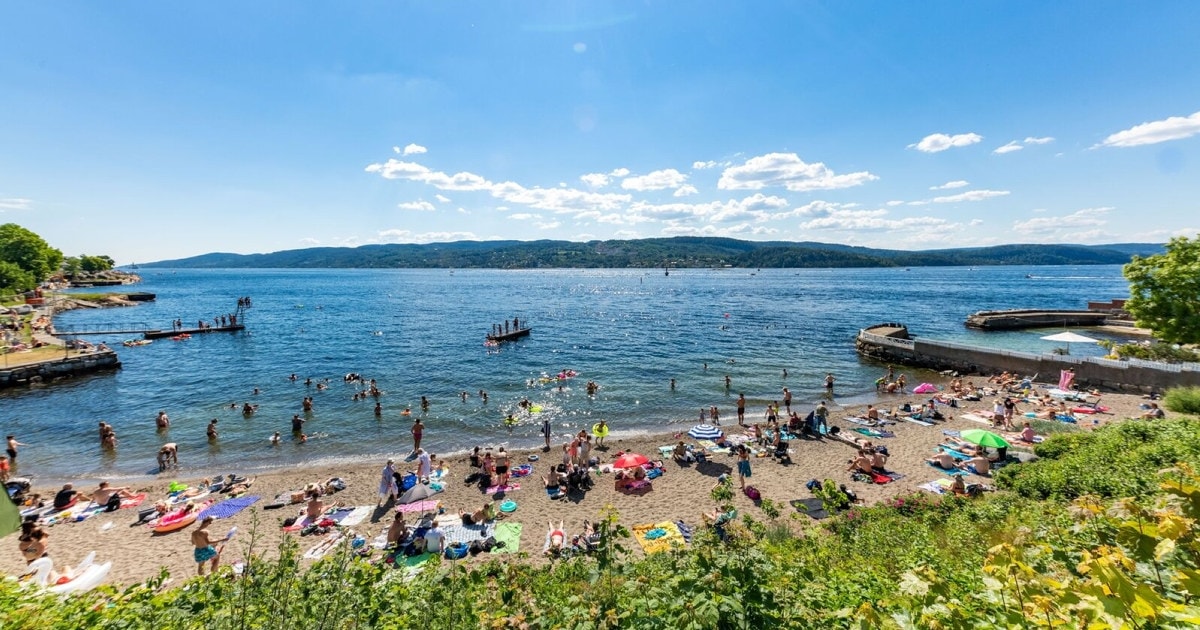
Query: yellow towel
673, 538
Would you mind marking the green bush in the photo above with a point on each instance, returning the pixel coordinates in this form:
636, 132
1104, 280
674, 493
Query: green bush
1183, 400
1116, 460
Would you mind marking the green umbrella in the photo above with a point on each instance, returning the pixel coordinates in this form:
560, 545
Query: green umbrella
984, 438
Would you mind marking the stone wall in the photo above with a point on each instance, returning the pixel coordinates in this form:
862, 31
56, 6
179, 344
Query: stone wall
47, 371
1089, 371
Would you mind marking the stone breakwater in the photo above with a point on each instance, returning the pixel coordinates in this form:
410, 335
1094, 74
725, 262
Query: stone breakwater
890, 343
51, 370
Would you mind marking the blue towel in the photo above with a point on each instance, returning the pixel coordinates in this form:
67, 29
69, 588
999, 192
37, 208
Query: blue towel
951, 433
228, 507
686, 530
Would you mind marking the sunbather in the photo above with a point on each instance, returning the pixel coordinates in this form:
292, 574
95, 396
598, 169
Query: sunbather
555, 480
942, 460
478, 517
557, 538
680, 454
861, 463
1027, 434
879, 461
978, 465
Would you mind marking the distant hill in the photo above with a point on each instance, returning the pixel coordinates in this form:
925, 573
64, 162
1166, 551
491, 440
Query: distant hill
684, 251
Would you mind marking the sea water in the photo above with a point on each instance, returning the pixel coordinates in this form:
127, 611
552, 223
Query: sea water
421, 333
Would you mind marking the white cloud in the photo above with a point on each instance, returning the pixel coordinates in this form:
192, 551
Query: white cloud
958, 183
464, 211
1033, 140
975, 222
789, 171
406, 236
1173, 128
627, 234
1087, 217
869, 220
414, 149
524, 216
442, 198
657, 180
893, 203
970, 195
739, 230
397, 169
594, 180
685, 190
699, 166
547, 225
619, 172
396, 149
310, 241
935, 143
1009, 148
16, 203
421, 205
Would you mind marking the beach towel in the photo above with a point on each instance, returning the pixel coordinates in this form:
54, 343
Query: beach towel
355, 516
327, 544
555, 493
658, 537
925, 388
942, 470
467, 534
666, 451
813, 507
955, 454
505, 488
916, 421
866, 422
524, 470
976, 418
736, 439
428, 505
1065, 379
951, 433
228, 507
874, 433
510, 535
686, 531
937, 486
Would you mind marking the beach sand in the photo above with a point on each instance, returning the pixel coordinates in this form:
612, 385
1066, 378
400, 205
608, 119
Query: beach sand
682, 493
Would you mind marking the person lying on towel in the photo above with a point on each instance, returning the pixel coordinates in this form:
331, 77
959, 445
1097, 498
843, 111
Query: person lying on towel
943, 460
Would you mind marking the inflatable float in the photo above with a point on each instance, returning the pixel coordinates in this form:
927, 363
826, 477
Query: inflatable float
599, 431
84, 577
173, 521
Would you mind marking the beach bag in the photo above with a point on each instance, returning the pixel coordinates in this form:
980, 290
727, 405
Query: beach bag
114, 503
408, 481
489, 544
475, 548
813, 485
338, 485
752, 493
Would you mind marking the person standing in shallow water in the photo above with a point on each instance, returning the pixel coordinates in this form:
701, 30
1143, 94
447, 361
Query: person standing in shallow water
741, 410
417, 430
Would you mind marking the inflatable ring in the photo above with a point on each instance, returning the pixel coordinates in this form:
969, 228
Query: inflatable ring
508, 507
533, 458
599, 431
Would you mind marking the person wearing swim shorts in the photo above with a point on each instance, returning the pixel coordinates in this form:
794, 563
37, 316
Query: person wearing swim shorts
204, 551
502, 464
741, 409
743, 465
417, 429
12, 448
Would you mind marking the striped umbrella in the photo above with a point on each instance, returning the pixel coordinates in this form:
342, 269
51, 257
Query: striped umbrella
705, 432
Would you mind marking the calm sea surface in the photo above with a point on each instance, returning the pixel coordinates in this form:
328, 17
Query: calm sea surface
420, 332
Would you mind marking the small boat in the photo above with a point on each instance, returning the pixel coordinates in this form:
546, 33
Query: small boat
181, 337
130, 343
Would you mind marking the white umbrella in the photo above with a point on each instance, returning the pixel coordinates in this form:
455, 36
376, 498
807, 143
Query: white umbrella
1069, 338
705, 432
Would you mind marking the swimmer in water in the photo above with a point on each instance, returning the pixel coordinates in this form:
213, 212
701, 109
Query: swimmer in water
275, 439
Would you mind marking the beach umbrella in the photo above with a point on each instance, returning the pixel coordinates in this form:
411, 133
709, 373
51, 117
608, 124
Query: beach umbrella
630, 460
1069, 338
705, 432
984, 438
419, 492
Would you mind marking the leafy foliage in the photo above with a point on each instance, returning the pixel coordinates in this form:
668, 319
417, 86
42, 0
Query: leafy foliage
1165, 291
28, 252
1166, 352
1113, 461
1183, 400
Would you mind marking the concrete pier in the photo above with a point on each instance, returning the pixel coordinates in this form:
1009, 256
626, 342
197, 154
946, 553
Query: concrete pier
53, 369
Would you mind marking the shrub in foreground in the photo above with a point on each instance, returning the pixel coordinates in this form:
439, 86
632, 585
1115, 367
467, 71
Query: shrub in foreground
1183, 400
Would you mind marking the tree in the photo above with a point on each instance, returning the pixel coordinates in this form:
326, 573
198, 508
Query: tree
28, 251
92, 264
14, 280
1165, 291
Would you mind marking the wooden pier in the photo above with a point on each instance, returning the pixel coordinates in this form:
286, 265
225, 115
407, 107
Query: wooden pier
1017, 319
163, 334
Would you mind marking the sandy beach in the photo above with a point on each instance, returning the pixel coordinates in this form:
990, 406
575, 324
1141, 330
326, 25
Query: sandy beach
682, 493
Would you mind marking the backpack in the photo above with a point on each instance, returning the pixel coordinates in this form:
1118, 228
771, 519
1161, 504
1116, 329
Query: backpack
476, 548
813, 485
114, 503
752, 493
489, 544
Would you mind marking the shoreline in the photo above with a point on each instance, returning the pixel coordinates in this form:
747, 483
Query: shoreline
680, 494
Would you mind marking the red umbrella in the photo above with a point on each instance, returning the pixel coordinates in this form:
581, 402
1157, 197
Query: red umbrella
630, 460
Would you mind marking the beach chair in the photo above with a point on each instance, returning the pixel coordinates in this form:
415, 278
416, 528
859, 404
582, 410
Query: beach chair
782, 454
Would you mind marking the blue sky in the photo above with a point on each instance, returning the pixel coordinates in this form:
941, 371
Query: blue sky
149, 131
